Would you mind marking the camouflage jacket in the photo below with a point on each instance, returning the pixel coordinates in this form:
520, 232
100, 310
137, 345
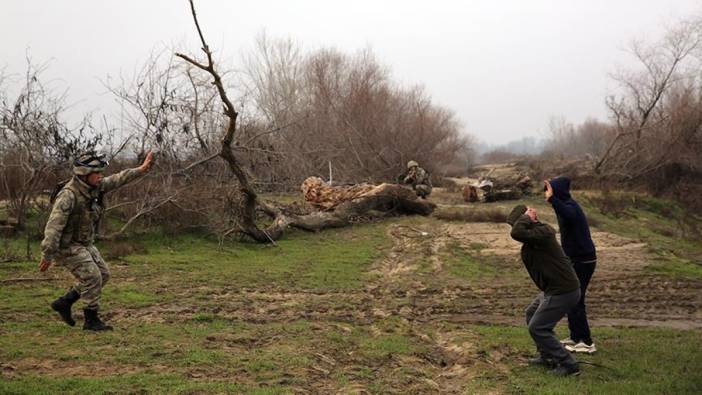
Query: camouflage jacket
77, 211
417, 176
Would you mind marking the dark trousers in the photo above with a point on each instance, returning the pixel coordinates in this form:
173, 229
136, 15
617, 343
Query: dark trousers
577, 317
542, 315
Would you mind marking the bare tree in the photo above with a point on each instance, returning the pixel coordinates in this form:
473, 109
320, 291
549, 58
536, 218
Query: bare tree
35, 144
587, 140
250, 198
250, 201
639, 113
345, 110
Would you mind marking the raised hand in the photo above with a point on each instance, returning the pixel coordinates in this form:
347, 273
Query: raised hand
548, 190
147, 162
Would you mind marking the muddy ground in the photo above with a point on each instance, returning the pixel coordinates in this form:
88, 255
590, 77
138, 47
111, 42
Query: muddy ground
412, 282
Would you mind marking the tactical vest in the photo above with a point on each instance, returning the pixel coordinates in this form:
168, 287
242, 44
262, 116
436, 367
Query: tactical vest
83, 220
421, 177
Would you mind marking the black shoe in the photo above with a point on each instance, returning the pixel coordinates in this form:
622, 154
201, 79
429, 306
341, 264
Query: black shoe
93, 322
564, 370
63, 305
539, 360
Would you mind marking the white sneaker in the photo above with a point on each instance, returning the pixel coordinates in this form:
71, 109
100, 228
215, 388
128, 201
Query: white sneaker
582, 347
567, 342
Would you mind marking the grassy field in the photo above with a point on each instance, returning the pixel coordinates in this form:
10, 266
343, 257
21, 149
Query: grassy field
376, 308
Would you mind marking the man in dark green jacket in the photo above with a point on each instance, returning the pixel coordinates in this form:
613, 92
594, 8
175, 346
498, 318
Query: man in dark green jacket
551, 271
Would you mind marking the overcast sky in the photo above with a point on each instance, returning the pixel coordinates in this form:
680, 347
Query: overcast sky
505, 67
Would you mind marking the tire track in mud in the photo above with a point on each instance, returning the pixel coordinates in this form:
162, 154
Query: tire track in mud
622, 290
259, 306
621, 293
451, 358
411, 282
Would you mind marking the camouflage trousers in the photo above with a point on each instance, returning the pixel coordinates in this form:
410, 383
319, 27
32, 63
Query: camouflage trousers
422, 190
91, 271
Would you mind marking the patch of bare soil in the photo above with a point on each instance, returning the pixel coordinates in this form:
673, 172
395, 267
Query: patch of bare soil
62, 368
621, 291
406, 288
257, 306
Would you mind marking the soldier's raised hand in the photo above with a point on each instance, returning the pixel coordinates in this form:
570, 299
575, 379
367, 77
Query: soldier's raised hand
147, 162
44, 265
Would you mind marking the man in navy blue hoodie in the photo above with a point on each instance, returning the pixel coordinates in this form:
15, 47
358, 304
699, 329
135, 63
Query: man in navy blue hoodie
577, 244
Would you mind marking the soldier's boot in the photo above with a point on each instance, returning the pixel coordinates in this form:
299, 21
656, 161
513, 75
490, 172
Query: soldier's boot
93, 322
63, 305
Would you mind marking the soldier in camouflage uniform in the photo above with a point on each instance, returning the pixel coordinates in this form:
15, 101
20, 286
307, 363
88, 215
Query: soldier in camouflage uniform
419, 179
70, 233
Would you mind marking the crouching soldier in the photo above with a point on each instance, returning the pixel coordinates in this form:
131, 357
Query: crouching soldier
419, 178
551, 271
70, 233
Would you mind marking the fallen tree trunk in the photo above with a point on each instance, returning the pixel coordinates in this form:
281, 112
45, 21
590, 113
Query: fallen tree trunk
385, 199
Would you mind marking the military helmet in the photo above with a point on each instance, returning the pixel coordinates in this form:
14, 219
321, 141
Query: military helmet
412, 164
89, 162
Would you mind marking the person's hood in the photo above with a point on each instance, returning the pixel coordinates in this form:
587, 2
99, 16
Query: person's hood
561, 187
517, 212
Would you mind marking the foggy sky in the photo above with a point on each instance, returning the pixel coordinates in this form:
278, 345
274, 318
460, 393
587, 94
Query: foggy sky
504, 67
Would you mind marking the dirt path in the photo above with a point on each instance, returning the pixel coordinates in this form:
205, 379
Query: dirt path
407, 286
412, 282
414, 285
621, 291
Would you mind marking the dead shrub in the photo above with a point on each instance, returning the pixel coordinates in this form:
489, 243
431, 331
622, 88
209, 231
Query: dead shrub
664, 230
688, 193
492, 214
448, 184
614, 204
594, 221
119, 249
443, 196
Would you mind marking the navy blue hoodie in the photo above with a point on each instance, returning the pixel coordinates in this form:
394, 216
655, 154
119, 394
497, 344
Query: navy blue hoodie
575, 232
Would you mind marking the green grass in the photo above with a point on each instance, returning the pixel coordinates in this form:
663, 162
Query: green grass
467, 265
636, 361
332, 260
14, 249
478, 246
184, 349
669, 230
388, 344
188, 269
129, 384
335, 259
261, 357
131, 295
